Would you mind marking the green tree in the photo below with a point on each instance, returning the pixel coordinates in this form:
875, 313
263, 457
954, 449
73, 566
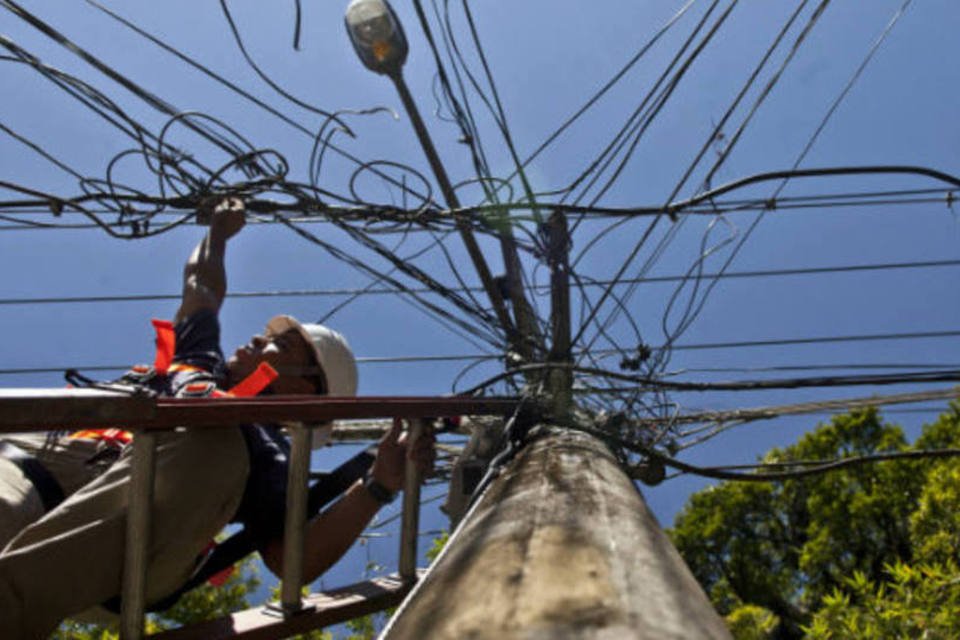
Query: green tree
773, 555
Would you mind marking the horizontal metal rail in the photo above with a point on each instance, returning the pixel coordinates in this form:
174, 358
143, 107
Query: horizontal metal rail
38, 409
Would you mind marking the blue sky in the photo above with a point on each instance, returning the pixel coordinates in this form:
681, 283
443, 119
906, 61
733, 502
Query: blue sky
547, 59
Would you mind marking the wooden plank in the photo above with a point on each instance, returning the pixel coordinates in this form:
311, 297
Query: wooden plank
320, 610
44, 409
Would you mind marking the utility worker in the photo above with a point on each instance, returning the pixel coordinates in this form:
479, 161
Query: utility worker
61, 561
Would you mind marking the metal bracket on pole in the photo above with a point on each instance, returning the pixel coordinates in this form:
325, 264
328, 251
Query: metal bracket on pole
139, 521
411, 509
296, 520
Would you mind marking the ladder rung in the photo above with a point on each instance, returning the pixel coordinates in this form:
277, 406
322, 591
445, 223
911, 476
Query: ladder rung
320, 610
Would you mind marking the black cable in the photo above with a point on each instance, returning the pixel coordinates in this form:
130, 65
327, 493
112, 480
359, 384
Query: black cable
813, 173
41, 151
422, 215
273, 85
108, 71
640, 112
695, 346
694, 307
232, 86
410, 270
719, 473
950, 375
695, 312
765, 177
296, 27
813, 367
17, 223
768, 89
688, 314
751, 80
297, 293
640, 129
617, 77
817, 340
741, 344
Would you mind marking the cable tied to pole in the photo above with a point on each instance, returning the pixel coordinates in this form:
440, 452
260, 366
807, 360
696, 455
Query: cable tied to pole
518, 432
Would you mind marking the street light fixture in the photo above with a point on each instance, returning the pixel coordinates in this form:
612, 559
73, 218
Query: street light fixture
377, 36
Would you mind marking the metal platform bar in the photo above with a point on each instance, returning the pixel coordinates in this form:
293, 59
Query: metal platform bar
40, 409
35, 409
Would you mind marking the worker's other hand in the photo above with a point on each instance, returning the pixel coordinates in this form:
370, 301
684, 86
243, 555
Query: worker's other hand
394, 450
228, 217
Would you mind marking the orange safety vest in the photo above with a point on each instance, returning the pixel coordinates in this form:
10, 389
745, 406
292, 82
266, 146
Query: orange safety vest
166, 342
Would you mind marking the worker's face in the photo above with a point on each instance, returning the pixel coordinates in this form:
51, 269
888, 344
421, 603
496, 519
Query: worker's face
287, 352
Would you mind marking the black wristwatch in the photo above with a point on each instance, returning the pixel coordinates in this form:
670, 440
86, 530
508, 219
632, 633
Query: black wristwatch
379, 492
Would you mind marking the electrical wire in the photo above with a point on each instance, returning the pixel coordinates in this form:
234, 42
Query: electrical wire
422, 270
375, 291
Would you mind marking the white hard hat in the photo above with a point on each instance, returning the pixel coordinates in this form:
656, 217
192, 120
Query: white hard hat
332, 352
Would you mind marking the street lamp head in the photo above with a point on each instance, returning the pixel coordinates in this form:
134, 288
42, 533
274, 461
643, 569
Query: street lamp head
377, 36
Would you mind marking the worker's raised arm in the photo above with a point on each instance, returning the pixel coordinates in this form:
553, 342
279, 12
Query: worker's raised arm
204, 275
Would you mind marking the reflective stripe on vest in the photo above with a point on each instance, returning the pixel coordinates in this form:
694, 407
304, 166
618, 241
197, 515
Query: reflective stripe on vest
115, 437
253, 384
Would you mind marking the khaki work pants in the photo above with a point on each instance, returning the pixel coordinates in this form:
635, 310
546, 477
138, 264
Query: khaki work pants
71, 559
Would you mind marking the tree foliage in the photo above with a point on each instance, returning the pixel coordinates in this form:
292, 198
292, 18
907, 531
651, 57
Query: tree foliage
785, 560
915, 602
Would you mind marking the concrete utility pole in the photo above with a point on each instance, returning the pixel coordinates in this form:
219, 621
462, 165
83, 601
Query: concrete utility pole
560, 546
